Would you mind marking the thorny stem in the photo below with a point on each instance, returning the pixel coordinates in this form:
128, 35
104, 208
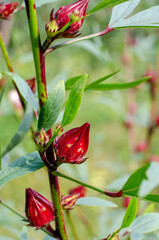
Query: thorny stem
48, 231
39, 61
99, 34
110, 194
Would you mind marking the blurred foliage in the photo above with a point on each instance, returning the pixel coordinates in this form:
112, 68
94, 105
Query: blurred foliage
109, 154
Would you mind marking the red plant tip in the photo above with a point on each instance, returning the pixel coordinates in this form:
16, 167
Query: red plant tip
126, 201
141, 147
7, 9
81, 190
152, 74
31, 82
154, 158
41, 138
38, 209
73, 145
67, 14
69, 201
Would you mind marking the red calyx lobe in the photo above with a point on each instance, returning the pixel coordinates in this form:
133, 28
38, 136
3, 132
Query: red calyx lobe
38, 209
62, 17
81, 190
7, 9
73, 145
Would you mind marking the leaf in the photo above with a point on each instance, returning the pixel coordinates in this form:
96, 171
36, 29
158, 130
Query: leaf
24, 89
130, 213
2, 92
132, 185
105, 4
21, 166
146, 223
21, 132
123, 10
52, 107
117, 86
100, 80
95, 202
71, 81
74, 100
146, 18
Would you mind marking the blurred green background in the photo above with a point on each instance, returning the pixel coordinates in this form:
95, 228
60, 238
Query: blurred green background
111, 152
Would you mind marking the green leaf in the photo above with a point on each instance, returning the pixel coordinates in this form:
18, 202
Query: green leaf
146, 18
117, 86
122, 11
71, 81
100, 80
132, 185
52, 107
106, 4
95, 202
74, 100
24, 89
21, 166
146, 223
2, 92
21, 132
130, 213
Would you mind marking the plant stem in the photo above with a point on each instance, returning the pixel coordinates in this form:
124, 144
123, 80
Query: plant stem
49, 232
110, 194
39, 61
55, 190
75, 236
99, 34
5, 54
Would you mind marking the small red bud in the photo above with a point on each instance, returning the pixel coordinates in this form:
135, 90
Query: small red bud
64, 15
141, 147
154, 158
126, 201
31, 82
81, 190
7, 9
38, 209
152, 74
128, 122
41, 138
69, 201
73, 145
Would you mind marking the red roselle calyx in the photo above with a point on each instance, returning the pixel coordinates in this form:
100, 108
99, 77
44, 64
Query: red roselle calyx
73, 145
38, 209
81, 190
67, 14
69, 201
7, 9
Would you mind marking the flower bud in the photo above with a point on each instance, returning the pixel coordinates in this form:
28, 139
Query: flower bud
38, 209
152, 74
141, 147
41, 138
73, 145
15, 100
157, 121
126, 201
64, 15
69, 201
7, 9
31, 83
81, 190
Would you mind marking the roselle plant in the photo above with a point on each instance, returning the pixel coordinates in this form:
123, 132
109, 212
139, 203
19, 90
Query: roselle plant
58, 144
